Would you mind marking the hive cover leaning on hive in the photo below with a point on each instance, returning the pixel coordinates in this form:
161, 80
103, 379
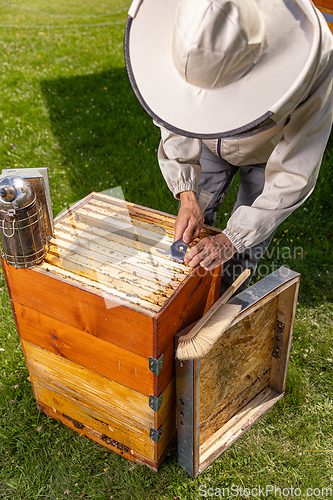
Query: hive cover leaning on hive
97, 321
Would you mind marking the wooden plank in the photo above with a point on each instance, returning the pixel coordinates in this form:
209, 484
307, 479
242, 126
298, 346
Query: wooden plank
81, 415
214, 290
76, 258
169, 431
94, 216
122, 285
184, 307
88, 351
135, 233
237, 426
234, 377
133, 221
237, 369
261, 302
126, 413
135, 211
90, 388
77, 409
168, 402
100, 438
133, 208
286, 312
97, 257
168, 371
72, 208
144, 274
325, 4
138, 252
129, 240
83, 310
147, 214
111, 296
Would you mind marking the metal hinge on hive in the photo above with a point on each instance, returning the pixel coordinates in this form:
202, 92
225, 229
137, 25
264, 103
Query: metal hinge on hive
155, 434
156, 365
278, 339
155, 403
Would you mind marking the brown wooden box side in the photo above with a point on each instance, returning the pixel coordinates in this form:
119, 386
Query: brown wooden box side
81, 309
325, 4
187, 305
85, 399
86, 350
100, 438
168, 402
169, 432
168, 371
83, 414
89, 400
93, 353
161, 448
64, 376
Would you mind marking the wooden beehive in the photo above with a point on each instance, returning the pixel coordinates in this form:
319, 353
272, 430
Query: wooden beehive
97, 321
220, 396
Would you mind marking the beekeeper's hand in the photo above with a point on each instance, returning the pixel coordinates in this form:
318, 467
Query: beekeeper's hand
190, 218
210, 252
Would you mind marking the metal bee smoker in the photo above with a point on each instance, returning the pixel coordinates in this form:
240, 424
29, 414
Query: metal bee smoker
21, 223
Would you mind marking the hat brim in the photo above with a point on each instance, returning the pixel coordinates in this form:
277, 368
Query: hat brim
292, 38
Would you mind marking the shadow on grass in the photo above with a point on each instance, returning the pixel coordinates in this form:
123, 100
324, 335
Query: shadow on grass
106, 139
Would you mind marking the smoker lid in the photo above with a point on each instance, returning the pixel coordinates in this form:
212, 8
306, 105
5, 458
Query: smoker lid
15, 193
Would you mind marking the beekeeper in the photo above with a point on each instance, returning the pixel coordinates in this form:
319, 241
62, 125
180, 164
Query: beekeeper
234, 85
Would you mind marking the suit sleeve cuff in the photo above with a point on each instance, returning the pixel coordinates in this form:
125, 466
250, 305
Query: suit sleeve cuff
183, 186
235, 240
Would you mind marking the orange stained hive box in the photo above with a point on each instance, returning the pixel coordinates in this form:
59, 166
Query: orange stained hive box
97, 321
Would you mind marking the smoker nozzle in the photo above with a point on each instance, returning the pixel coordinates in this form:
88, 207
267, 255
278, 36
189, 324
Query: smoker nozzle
8, 193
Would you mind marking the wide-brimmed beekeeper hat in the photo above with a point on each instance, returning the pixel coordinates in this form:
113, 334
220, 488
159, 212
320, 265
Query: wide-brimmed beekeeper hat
215, 68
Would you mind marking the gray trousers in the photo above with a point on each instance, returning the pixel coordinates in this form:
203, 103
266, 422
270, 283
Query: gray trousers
216, 178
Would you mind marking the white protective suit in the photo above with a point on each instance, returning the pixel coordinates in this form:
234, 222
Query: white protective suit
292, 145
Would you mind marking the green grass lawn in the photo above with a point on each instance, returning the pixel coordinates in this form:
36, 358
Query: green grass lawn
66, 104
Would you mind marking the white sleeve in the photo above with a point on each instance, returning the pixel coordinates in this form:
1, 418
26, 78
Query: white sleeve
292, 168
178, 157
